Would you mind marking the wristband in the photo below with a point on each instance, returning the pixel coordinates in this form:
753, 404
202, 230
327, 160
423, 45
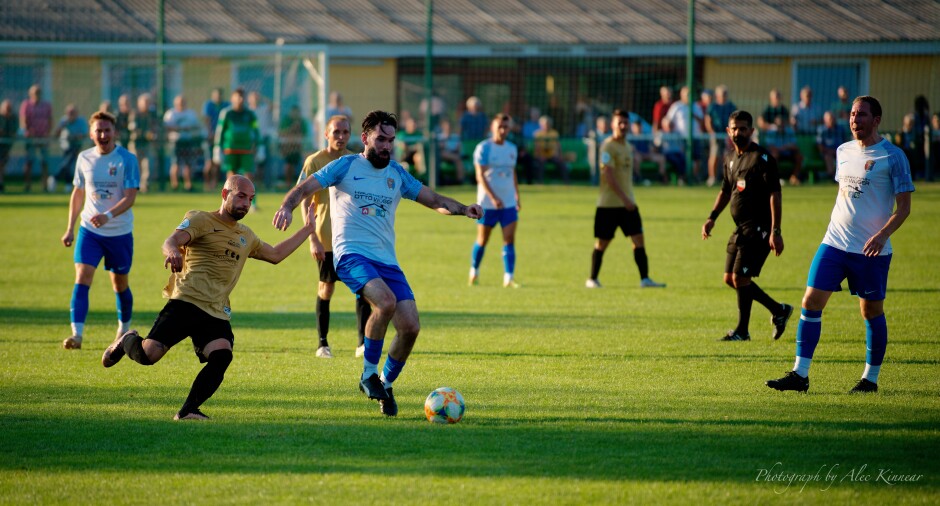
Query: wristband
713, 216
109, 215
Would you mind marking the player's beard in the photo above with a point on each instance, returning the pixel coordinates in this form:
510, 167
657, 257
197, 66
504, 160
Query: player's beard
378, 160
236, 213
741, 142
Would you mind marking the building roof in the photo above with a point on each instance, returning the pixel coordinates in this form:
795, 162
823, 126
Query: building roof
462, 22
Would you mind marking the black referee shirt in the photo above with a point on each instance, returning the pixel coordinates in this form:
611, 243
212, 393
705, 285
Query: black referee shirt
750, 178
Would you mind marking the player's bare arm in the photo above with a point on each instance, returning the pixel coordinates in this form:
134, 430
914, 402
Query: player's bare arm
75, 207
284, 215
776, 216
274, 254
317, 251
720, 202
172, 250
515, 184
481, 169
607, 172
130, 196
902, 210
446, 205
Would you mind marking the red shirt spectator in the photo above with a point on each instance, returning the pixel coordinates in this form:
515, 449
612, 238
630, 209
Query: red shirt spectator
661, 107
35, 115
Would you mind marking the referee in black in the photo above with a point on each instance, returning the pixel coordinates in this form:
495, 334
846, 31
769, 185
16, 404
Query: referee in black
751, 184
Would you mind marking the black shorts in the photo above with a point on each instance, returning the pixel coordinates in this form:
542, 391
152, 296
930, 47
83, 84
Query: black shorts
608, 219
747, 252
327, 269
180, 319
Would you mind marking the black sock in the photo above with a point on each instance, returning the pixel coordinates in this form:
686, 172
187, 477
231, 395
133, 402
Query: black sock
323, 320
639, 256
133, 347
765, 300
208, 380
363, 312
596, 260
744, 309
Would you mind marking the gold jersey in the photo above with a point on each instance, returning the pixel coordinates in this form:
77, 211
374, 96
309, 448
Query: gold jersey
212, 262
618, 155
312, 164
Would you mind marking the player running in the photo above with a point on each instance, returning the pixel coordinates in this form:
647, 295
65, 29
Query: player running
498, 195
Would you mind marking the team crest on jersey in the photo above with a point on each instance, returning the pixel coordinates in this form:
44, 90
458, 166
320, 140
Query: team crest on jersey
391, 183
242, 240
112, 169
741, 185
870, 164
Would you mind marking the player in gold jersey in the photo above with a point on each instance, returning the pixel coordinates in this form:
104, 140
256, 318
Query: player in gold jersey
206, 254
616, 207
337, 136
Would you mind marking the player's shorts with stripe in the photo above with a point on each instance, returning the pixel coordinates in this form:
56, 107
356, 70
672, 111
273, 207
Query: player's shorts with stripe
356, 270
505, 216
747, 252
117, 251
180, 319
327, 270
239, 163
608, 219
867, 276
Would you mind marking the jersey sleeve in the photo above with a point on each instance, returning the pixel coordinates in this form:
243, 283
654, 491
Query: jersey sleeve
607, 154
78, 180
254, 243
481, 154
771, 174
131, 170
335, 171
901, 173
196, 224
410, 187
726, 186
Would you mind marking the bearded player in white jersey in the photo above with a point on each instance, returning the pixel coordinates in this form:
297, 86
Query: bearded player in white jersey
874, 199
366, 190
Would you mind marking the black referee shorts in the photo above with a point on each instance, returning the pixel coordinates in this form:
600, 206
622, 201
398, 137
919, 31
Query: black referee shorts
180, 319
327, 269
747, 252
608, 219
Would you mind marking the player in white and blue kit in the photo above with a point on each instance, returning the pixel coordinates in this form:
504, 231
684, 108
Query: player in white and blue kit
364, 194
874, 199
498, 195
106, 181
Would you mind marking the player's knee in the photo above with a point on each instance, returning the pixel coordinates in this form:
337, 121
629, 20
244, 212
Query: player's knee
220, 359
740, 281
409, 329
325, 290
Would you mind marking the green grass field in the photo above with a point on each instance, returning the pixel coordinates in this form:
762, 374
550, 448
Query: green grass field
574, 396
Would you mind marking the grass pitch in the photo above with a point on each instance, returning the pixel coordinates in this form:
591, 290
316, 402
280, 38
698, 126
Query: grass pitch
617, 395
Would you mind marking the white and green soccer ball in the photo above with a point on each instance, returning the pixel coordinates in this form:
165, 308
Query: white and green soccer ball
444, 405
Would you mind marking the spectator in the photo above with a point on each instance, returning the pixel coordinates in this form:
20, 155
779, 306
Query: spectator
842, 107
781, 142
438, 107
449, 149
716, 122
559, 116
661, 107
473, 122
531, 125
36, 122
593, 140
829, 136
645, 151
410, 145
210, 117
293, 132
9, 125
185, 135
262, 109
934, 146
805, 115
676, 123
123, 121
547, 149
145, 131
72, 132
773, 111
921, 128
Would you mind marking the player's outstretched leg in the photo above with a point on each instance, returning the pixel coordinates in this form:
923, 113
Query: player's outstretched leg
205, 384
115, 352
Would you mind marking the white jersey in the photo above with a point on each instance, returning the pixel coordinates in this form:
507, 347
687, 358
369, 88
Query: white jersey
869, 179
104, 179
363, 201
500, 163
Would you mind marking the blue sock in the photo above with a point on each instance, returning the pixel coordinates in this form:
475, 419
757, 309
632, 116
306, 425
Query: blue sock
876, 340
509, 258
370, 359
125, 305
79, 305
477, 255
391, 370
807, 332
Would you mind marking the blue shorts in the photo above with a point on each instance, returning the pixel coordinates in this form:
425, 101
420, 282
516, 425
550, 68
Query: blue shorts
868, 276
504, 216
356, 270
117, 251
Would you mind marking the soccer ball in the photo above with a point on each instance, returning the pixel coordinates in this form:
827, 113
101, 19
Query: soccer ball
444, 405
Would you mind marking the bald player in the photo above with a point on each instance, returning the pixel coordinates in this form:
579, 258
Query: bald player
206, 254
321, 244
